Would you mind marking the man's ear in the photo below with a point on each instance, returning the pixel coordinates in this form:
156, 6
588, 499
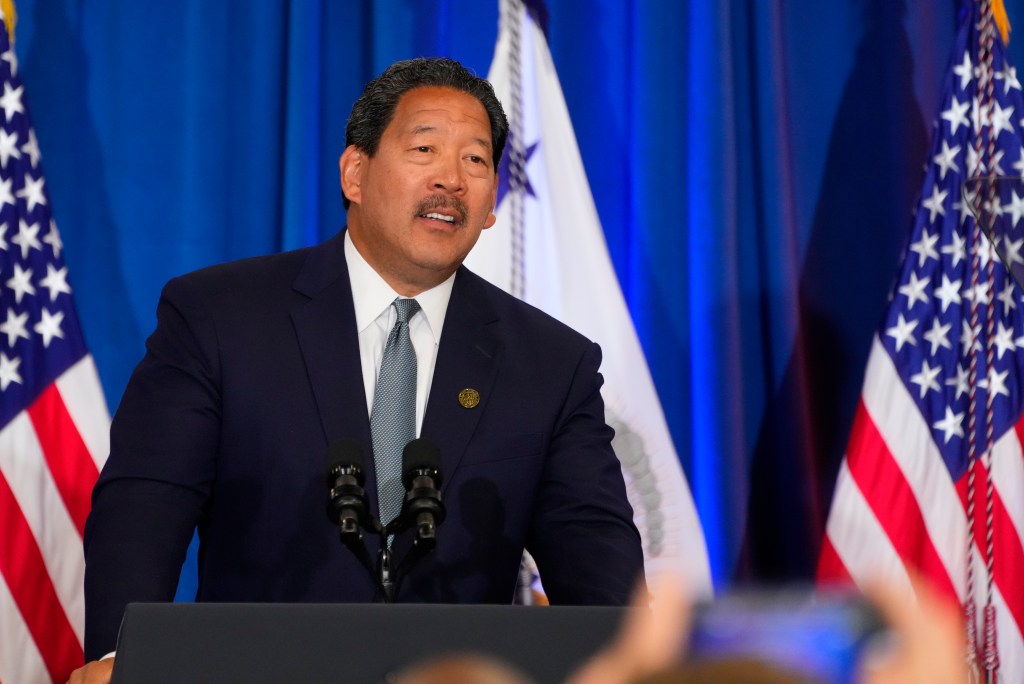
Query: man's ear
351, 166
491, 219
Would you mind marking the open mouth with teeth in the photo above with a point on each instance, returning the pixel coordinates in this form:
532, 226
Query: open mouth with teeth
444, 211
450, 220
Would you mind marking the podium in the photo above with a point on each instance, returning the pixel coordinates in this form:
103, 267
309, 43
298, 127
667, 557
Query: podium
348, 643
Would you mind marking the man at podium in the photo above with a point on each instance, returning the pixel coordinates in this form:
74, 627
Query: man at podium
376, 336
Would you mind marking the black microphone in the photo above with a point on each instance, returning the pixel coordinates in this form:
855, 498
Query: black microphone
346, 507
421, 475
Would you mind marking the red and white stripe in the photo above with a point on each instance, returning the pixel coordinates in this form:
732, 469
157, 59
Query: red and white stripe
50, 457
896, 510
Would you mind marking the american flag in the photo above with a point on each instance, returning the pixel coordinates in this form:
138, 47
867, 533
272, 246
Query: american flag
933, 479
53, 418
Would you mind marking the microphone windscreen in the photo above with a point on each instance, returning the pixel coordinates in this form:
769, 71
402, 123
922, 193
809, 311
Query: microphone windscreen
420, 454
344, 452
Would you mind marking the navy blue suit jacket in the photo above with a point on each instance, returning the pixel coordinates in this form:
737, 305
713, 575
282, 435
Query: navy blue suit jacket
254, 369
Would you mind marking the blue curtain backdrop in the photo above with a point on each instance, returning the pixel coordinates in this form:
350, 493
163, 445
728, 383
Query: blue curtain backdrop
754, 163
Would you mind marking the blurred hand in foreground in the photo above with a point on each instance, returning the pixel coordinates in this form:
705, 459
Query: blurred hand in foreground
651, 637
928, 638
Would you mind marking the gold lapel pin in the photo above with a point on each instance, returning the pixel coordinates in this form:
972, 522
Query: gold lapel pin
469, 398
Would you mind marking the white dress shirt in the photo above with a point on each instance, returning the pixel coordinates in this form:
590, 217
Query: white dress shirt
375, 317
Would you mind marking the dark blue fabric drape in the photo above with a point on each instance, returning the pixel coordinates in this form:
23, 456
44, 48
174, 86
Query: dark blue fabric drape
754, 164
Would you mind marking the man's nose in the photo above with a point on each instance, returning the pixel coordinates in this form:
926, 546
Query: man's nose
449, 174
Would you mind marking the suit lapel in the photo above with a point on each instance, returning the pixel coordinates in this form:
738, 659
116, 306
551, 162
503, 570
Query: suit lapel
326, 330
467, 358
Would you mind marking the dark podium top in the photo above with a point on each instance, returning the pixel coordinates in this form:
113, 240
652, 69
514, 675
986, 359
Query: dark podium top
348, 643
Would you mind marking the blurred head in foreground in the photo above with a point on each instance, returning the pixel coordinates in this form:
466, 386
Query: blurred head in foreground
462, 669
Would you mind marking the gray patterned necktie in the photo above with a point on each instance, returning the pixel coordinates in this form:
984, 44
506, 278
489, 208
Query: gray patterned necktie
393, 417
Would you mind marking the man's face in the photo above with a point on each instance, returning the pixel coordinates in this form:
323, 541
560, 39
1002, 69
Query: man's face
418, 205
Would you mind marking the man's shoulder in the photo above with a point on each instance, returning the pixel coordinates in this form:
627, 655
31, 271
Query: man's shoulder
256, 270
302, 269
520, 318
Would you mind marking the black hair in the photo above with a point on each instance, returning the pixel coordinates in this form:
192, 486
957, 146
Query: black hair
375, 108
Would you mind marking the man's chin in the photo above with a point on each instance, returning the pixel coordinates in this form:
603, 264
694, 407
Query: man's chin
439, 253
435, 271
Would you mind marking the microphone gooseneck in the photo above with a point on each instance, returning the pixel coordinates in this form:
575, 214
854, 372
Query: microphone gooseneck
422, 508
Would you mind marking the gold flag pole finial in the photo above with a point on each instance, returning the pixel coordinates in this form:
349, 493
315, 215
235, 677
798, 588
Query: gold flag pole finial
998, 12
10, 17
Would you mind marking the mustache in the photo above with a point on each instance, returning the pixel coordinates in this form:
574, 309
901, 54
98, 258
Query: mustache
452, 204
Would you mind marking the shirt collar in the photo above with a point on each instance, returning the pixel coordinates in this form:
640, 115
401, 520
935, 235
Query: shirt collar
372, 295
